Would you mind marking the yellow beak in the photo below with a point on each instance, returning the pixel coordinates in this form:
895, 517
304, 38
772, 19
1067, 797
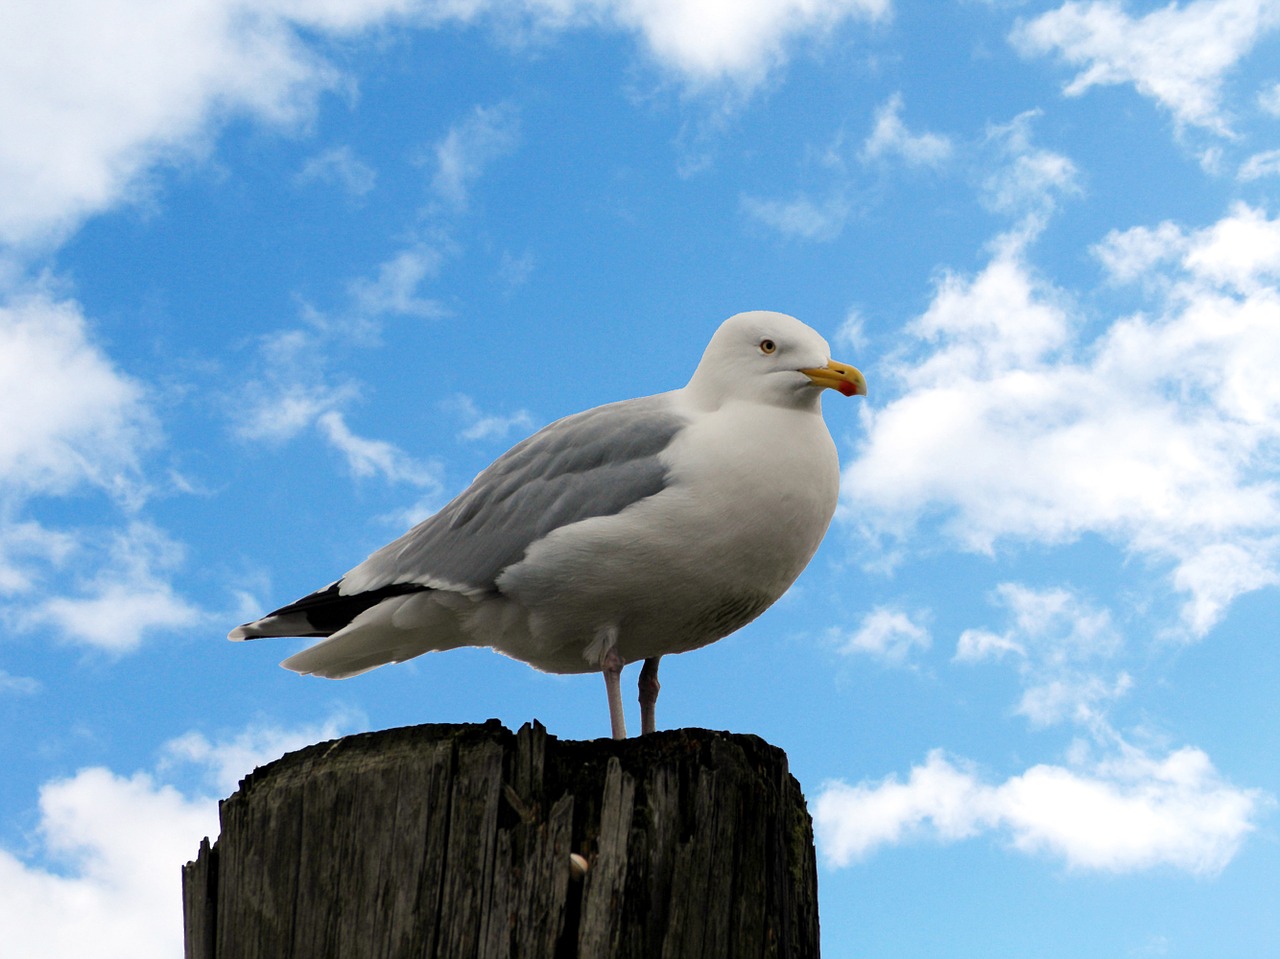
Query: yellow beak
839, 376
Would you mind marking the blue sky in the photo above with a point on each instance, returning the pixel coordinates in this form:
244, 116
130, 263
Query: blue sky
277, 279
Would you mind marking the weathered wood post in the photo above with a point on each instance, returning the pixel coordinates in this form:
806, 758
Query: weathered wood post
455, 841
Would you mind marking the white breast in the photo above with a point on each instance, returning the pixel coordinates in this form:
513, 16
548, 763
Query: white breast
751, 492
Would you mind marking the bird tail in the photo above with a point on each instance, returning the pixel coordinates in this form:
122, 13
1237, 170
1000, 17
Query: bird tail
362, 631
321, 613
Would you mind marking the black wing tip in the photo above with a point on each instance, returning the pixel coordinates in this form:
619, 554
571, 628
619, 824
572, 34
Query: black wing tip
321, 613
270, 627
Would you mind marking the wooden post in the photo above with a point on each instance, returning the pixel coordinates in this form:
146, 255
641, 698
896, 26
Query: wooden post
455, 841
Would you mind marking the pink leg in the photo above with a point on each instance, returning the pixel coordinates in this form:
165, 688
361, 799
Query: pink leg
649, 688
612, 667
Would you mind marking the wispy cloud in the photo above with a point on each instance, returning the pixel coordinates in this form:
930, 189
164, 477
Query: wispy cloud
20, 685
291, 406
71, 420
480, 425
800, 217
469, 147
514, 271
226, 759
1026, 181
121, 596
1062, 648
27, 546
1266, 163
295, 389
396, 290
341, 167
1128, 812
1269, 99
287, 387
890, 137
288, 410
852, 331
887, 634
1132, 255
1176, 55
367, 457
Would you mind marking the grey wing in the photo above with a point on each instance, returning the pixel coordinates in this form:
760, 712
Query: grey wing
595, 463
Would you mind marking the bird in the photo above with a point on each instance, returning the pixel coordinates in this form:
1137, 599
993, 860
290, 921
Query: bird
634, 530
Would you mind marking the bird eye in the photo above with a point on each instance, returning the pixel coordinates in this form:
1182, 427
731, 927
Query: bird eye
767, 347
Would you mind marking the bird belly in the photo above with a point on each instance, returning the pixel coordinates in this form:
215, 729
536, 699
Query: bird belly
685, 567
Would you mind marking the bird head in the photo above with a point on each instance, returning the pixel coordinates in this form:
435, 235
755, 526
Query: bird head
770, 358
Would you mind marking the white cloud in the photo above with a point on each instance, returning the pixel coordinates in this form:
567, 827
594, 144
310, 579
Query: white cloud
890, 137
341, 167
514, 271
1177, 55
366, 457
1216, 574
1259, 165
288, 411
1269, 100
975, 645
20, 685
288, 389
116, 613
852, 331
800, 217
852, 821
1240, 252
1028, 181
487, 426
888, 634
1056, 622
703, 42
115, 891
1121, 810
1160, 432
1130, 255
126, 596
227, 760
1081, 697
94, 96
70, 419
293, 396
713, 40
1059, 644
395, 291
1126, 813
23, 545
103, 877
486, 135
68, 416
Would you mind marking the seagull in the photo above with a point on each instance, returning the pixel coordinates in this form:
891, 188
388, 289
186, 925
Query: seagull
618, 535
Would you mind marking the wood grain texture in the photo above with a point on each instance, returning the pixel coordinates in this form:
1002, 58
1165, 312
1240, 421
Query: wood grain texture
454, 841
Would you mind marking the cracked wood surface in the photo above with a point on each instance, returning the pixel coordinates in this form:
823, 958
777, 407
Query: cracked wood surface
454, 841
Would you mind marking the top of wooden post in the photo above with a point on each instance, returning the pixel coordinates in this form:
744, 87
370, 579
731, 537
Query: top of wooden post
455, 840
